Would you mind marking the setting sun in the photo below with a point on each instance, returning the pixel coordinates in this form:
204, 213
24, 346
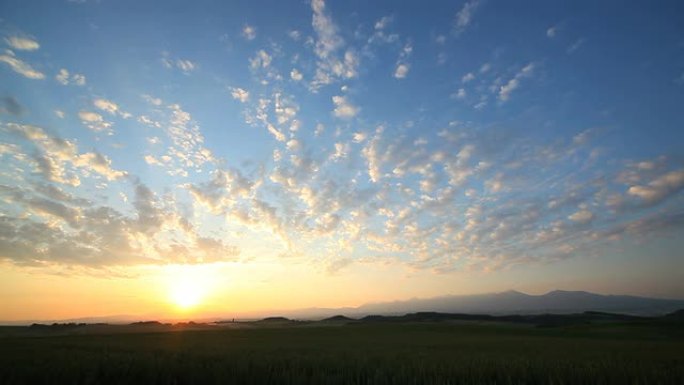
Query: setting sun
186, 295
188, 286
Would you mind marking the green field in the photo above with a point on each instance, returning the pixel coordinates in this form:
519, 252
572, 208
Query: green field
349, 353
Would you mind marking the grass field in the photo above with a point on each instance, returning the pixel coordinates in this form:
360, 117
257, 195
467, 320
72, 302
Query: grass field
354, 353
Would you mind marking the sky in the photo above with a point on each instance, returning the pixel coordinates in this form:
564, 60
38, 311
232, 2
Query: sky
206, 158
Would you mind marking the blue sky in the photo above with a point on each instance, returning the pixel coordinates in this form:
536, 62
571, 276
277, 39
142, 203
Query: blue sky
467, 137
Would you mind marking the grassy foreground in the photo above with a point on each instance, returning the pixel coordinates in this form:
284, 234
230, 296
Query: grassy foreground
354, 353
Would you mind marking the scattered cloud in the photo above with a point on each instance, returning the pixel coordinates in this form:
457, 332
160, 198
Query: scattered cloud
106, 105
330, 67
465, 15
64, 78
249, 32
343, 108
575, 46
551, 32
582, 216
22, 43
20, 66
660, 188
506, 90
185, 65
239, 94
95, 122
401, 71
296, 75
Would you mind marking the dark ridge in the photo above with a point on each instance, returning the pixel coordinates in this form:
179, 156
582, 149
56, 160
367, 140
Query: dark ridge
338, 318
146, 323
541, 320
275, 319
58, 326
675, 315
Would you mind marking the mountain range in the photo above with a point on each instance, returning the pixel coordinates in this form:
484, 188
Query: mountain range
508, 302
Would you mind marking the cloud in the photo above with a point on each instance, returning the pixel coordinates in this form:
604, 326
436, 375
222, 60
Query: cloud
551, 32
95, 122
575, 46
582, 216
21, 67
22, 43
465, 15
64, 78
329, 66
513, 84
660, 188
401, 71
261, 60
239, 94
185, 65
155, 233
55, 156
106, 105
343, 108
296, 75
248, 32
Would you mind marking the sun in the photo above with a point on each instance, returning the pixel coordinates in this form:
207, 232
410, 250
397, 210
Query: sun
186, 294
189, 286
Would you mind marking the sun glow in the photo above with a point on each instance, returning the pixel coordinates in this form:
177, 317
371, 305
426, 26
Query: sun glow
188, 286
186, 294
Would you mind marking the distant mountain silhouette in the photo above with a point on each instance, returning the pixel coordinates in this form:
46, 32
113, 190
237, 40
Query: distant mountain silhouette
509, 303
337, 318
515, 302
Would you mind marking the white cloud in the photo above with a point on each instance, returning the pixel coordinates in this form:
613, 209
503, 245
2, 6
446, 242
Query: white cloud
401, 71
295, 75
659, 188
152, 100
261, 60
461, 93
329, 66
106, 105
64, 78
79, 79
341, 151
21, 67
383, 22
95, 122
343, 108
551, 32
465, 15
277, 134
249, 32
22, 43
240, 94
185, 65
575, 46
468, 77
582, 216
506, 90
359, 137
